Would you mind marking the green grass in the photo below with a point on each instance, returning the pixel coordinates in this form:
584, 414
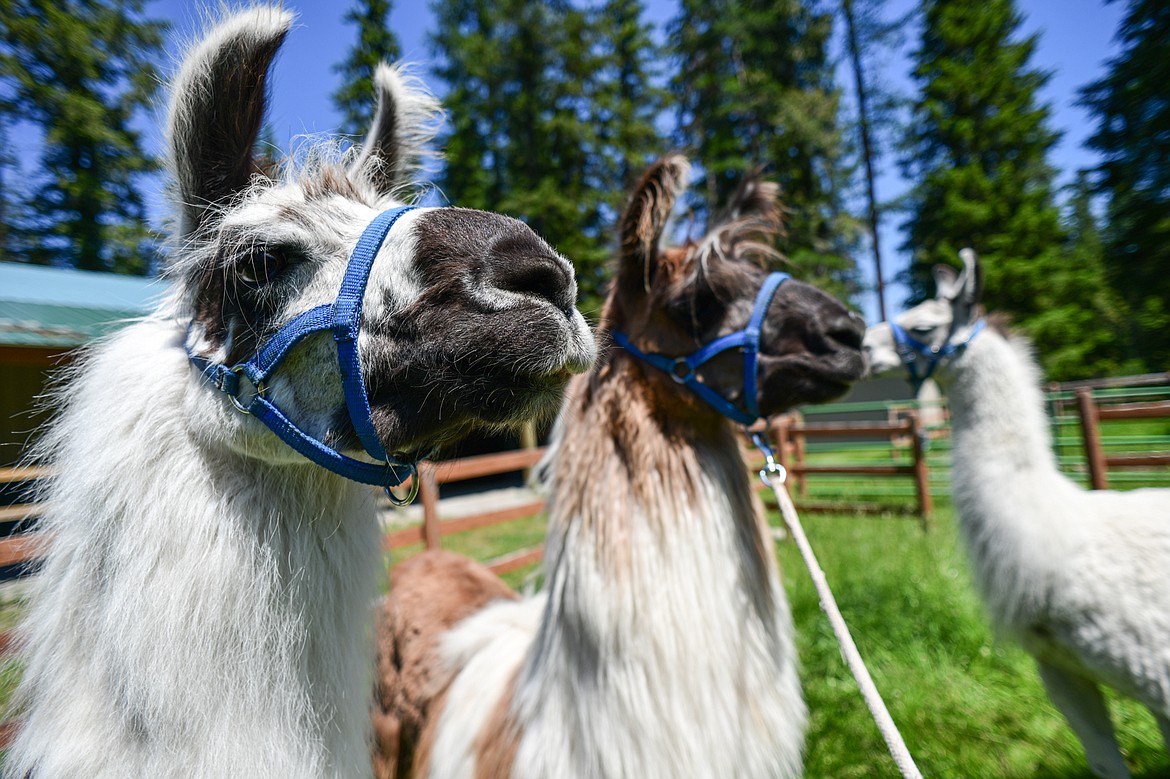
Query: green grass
967, 705
489, 542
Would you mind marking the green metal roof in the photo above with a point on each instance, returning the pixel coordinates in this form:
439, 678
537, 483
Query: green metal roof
61, 307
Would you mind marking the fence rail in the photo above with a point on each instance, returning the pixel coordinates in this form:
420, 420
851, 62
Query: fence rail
792, 433
1092, 412
806, 449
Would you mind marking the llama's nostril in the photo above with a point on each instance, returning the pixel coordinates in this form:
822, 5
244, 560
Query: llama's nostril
540, 277
847, 330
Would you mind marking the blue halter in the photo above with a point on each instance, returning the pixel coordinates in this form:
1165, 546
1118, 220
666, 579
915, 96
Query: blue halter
682, 369
343, 318
911, 349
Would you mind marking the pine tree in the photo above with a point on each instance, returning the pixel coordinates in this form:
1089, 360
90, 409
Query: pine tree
376, 43
754, 85
626, 100
7, 195
82, 70
868, 36
977, 143
1091, 326
526, 84
1133, 137
624, 104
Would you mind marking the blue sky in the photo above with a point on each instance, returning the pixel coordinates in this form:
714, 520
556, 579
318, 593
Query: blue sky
1076, 40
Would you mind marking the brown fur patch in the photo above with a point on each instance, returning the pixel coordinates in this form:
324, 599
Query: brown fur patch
999, 322
429, 593
498, 741
629, 420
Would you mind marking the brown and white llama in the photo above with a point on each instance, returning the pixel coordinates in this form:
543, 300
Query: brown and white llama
203, 607
1081, 579
662, 644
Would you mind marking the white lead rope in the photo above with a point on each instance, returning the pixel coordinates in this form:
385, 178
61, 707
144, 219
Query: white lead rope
869, 692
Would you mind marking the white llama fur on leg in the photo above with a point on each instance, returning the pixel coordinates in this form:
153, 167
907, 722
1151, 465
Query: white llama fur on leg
1081, 579
203, 607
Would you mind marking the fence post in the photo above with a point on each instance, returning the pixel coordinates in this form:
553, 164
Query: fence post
921, 471
799, 439
1094, 453
782, 446
428, 488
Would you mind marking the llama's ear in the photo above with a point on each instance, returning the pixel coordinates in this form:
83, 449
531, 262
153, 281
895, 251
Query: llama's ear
945, 282
217, 107
755, 199
751, 220
970, 281
405, 122
645, 219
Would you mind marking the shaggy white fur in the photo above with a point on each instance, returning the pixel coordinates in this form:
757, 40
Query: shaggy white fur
203, 608
186, 620
1079, 578
663, 644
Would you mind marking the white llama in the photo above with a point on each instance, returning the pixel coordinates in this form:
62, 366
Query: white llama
1080, 578
203, 608
662, 645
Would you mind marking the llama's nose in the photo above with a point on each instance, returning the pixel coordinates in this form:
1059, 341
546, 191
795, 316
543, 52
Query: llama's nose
847, 329
537, 276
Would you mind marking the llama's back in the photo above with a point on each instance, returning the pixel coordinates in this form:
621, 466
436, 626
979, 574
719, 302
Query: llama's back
430, 593
1110, 615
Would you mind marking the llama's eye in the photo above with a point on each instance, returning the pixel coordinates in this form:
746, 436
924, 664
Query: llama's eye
262, 266
922, 330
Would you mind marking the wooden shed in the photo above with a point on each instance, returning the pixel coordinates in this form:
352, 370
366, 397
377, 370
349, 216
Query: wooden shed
45, 314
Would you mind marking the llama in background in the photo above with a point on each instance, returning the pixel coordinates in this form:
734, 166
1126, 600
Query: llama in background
662, 645
1080, 578
203, 607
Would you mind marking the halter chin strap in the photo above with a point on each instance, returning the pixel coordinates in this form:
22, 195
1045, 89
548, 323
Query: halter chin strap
682, 369
245, 382
911, 349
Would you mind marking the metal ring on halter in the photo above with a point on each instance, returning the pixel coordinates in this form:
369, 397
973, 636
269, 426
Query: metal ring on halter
411, 493
682, 378
259, 390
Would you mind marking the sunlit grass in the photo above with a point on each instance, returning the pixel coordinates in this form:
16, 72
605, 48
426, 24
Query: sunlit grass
967, 705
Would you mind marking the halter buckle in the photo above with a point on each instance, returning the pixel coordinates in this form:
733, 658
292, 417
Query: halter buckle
259, 390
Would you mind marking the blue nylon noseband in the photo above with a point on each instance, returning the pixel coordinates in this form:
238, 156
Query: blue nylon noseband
343, 319
911, 349
682, 369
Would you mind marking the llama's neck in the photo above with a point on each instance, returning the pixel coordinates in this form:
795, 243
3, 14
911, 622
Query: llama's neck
998, 410
665, 646
201, 612
1007, 488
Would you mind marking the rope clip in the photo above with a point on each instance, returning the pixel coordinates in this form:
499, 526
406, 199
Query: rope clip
771, 467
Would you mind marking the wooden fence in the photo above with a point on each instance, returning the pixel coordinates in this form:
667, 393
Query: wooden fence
21, 547
25, 547
791, 434
1093, 412
430, 533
